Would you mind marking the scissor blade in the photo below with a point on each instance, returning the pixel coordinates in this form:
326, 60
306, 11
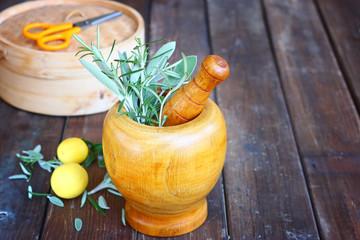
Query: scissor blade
97, 20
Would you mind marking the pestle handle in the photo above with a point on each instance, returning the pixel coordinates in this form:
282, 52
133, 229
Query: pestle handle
190, 100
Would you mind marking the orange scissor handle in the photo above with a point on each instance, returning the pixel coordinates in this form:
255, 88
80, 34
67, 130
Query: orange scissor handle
65, 36
49, 29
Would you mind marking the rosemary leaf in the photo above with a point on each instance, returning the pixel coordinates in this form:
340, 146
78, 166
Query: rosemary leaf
81, 41
98, 36
111, 51
96, 205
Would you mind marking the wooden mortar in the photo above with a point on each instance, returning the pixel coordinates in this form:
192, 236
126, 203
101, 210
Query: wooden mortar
165, 173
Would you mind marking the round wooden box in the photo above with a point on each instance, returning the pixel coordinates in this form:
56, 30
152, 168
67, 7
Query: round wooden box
55, 83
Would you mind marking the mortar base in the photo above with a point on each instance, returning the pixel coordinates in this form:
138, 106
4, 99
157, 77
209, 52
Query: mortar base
166, 225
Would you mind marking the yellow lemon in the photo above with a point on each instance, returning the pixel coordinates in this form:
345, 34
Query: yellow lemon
72, 150
69, 180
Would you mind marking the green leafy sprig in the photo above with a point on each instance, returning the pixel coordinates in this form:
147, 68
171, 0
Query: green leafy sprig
101, 204
29, 158
142, 83
106, 184
95, 151
54, 200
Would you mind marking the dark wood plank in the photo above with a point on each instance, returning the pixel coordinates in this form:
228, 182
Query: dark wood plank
321, 108
60, 221
342, 19
266, 193
20, 217
337, 202
184, 22
324, 117
95, 226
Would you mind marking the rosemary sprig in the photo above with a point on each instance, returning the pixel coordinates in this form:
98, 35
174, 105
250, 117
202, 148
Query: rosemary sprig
143, 82
54, 200
30, 157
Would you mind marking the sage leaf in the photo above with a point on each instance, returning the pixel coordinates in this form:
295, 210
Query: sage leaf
115, 192
146, 81
37, 149
44, 166
123, 216
105, 80
34, 154
180, 69
104, 67
162, 54
136, 70
30, 192
106, 183
102, 203
83, 199
78, 224
124, 67
18, 176
24, 169
56, 201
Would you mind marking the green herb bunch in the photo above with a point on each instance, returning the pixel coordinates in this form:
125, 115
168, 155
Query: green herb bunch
142, 82
31, 157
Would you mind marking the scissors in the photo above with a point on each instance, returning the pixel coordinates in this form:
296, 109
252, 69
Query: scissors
63, 31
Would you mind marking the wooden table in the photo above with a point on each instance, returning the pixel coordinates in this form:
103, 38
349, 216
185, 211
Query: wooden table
291, 105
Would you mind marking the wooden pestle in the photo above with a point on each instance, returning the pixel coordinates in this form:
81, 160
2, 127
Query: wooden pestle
190, 100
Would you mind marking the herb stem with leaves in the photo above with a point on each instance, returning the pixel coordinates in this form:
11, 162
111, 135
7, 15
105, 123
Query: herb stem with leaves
142, 82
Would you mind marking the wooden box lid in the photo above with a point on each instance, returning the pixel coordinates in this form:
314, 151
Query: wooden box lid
55, 83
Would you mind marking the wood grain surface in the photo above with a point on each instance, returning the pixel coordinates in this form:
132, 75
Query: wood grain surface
21, 217
318, 96
266, 192
342, 22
